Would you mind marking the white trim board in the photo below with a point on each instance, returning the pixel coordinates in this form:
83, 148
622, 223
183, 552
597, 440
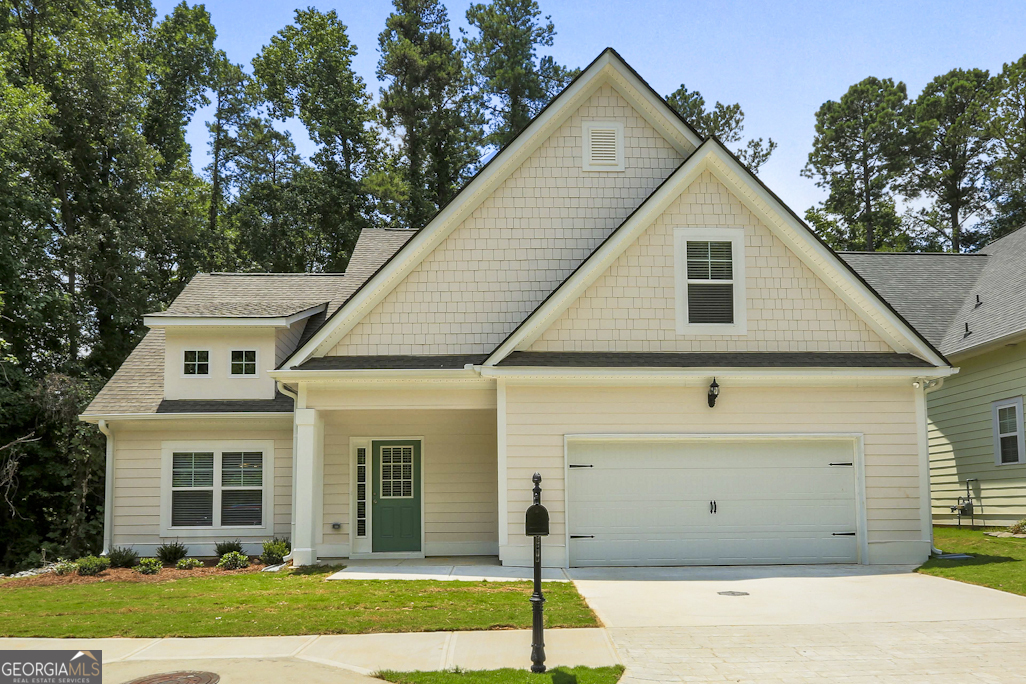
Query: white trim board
607, 68
713, 157
174, 321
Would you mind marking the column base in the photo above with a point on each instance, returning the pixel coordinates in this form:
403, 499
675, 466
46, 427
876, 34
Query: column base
301, 557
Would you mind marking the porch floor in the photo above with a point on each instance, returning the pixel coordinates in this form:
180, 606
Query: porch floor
464, 568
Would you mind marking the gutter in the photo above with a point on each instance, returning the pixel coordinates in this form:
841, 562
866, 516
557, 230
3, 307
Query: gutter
108, 488
549, 372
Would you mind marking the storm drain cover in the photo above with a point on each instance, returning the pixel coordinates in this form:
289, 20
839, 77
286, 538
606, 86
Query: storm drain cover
188, 677
732, 593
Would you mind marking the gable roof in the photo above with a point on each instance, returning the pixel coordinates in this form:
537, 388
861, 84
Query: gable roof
938, 291
138, 385
609, 67
713, 156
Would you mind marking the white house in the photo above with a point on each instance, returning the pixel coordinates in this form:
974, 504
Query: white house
572, 312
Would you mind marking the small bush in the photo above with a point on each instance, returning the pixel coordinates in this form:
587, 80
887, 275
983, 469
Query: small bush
228, 546
64, 567
92, 565
233, 560
123, 557
1019, 527
275, 551
170, 553
189, 564
149, 566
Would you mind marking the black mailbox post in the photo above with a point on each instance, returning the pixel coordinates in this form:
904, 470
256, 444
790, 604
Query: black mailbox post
537, 526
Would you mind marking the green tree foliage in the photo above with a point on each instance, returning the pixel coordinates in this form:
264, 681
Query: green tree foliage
1006, 127
233, 102
725, 122
428, 105
514, 81
307, 71
857, 156
949, 143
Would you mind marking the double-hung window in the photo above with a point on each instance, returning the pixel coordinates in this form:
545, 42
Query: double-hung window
217, 485
244, 362
196, 362
710, 294
1009, 445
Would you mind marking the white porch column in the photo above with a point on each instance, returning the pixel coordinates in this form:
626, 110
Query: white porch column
307, 485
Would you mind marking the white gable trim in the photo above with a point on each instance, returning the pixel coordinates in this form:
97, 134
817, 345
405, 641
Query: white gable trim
607, 68
713, 157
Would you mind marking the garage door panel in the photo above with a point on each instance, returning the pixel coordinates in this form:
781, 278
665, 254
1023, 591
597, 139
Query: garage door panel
648, 503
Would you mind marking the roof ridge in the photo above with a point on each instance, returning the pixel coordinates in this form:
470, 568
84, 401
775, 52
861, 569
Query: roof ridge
299, 273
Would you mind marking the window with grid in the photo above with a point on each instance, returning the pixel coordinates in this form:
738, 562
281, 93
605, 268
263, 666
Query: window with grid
217, 489
710, 281
361, 492
397, 472
244, 362
1008, 432
196, 363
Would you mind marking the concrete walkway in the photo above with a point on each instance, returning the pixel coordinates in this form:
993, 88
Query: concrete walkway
466, 568
797, 624
359, 653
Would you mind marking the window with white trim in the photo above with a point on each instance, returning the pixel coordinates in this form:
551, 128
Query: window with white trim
218, 488
243, 363
603, 146
710, 281
1009, 442
196, 362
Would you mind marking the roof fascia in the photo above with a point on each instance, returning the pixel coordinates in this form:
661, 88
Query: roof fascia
535, 372
822, 260
618, 241
173, 321
96, 417
1012, 339
608, 67
361, 374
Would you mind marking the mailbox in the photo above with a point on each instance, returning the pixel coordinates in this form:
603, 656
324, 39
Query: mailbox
537, 521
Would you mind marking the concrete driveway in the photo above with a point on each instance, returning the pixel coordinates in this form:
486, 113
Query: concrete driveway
794, 624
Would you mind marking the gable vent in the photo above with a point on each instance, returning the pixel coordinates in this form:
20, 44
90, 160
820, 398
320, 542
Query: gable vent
603, 146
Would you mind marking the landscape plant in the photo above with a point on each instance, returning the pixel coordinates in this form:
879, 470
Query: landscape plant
189, 564
149, 566
227, 546
92, 565
63, 566
123, 557
275, 551
170, 553
233, 560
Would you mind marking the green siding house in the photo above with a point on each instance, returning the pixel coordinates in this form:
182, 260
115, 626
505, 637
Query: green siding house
972, 307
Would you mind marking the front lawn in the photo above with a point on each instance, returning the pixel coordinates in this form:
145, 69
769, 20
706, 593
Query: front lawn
559, 675
284, 603
998, 562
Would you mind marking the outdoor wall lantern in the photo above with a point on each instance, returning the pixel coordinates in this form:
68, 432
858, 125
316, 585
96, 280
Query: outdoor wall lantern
714, 391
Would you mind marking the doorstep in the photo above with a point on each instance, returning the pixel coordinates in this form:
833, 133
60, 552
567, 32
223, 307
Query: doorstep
467, 569
362, 653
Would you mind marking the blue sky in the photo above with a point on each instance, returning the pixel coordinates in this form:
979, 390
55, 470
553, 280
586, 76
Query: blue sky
780, 60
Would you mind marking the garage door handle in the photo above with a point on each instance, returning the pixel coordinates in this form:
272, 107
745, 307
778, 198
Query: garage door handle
577, 465
841, 464
582, 536
844, 534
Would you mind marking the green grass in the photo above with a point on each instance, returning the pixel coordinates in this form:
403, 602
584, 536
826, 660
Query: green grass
999, 563
261, 604
559, 675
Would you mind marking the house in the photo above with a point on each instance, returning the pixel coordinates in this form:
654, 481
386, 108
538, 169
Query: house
613, 302
973, 308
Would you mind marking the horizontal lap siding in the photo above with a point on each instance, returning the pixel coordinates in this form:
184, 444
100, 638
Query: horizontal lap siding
962, 439
459, 469
538, 417
137, 478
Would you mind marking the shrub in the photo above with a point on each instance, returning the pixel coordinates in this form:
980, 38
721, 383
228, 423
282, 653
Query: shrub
275, 551
1019, 527
228, 546
64, 567
92, 565
123, 557
170, 553
189, 564
149, 566
233, 560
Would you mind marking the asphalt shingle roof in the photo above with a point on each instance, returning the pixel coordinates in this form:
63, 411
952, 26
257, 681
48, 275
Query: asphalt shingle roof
392, 362
138, 385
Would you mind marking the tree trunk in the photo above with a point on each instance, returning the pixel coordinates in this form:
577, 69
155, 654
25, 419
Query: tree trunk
956, 230
868, 199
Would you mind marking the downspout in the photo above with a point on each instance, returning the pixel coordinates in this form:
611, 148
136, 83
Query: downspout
927, 387
292, 518
108, 488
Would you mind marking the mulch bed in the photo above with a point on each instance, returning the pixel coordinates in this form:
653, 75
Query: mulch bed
122, 575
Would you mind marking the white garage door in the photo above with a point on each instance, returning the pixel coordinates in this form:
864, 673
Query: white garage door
711, 502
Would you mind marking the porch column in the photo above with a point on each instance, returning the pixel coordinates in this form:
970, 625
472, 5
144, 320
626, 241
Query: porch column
306, 488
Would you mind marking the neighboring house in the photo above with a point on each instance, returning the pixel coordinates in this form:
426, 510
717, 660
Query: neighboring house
973, 308
572, 312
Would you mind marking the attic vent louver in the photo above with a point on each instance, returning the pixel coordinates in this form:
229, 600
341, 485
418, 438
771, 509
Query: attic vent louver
603, 146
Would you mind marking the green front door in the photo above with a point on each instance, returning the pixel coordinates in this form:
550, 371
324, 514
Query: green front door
395, 496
